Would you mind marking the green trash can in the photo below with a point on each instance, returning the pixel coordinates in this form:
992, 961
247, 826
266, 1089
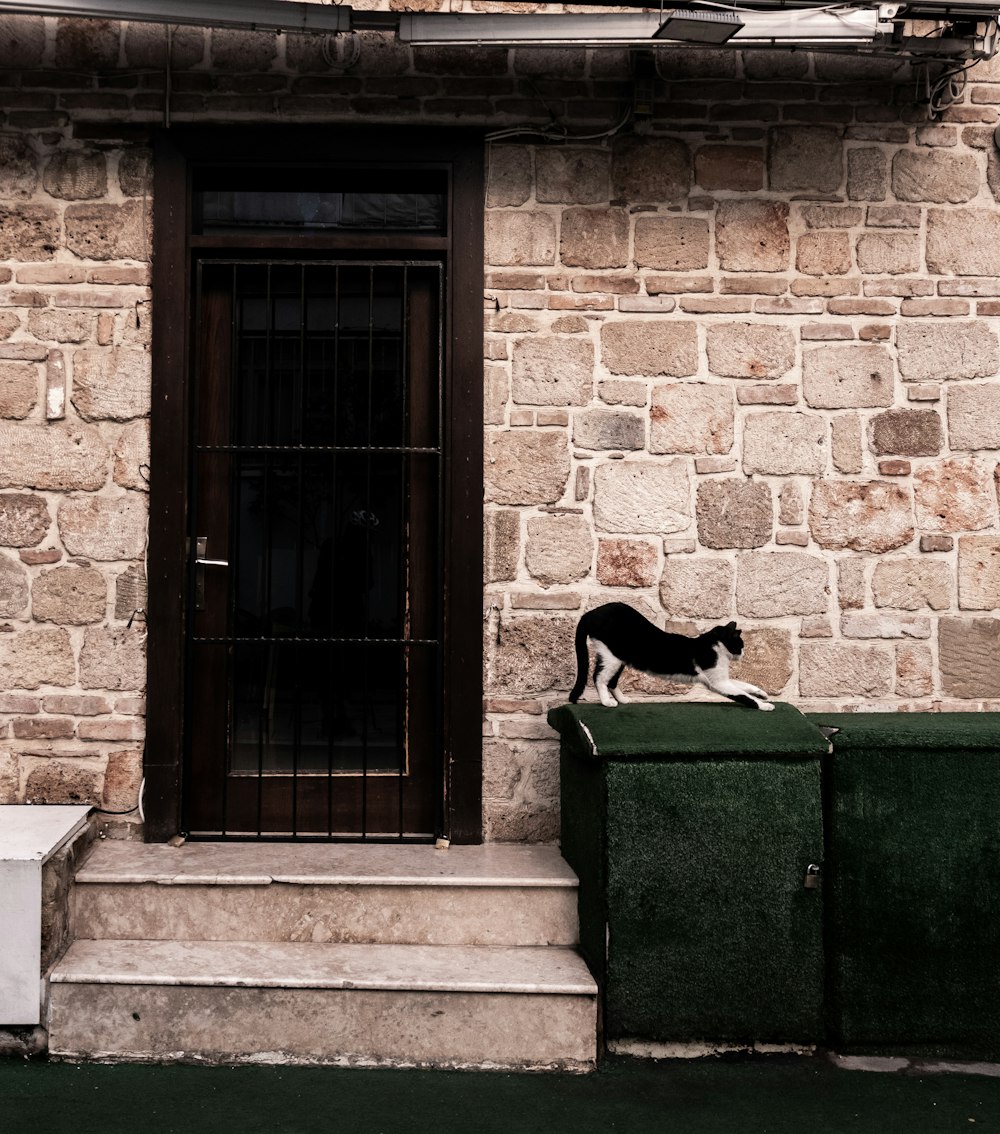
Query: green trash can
913, 883
692, 827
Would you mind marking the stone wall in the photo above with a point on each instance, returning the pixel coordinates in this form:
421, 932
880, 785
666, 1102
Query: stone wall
741, 362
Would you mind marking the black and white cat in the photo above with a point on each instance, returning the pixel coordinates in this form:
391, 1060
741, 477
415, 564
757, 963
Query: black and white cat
622, 636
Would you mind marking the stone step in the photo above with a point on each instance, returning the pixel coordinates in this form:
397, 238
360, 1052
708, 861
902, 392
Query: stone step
401, 894
292, 1002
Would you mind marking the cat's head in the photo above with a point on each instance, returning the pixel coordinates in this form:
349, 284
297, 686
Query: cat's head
730, 638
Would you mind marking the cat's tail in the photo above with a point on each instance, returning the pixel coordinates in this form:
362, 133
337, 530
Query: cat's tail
582, 660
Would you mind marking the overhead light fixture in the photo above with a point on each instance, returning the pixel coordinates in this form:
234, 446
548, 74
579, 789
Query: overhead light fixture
691, 26
803, 27
260, 15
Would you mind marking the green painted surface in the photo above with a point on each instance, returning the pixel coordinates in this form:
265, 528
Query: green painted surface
691, 829
678, 729
913, 883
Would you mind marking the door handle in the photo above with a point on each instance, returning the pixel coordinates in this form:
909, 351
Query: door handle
200, 563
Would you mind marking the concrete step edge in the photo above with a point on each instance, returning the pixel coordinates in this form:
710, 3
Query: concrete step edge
536, 969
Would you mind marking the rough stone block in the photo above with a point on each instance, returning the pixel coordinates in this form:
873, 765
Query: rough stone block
571, 175
510, 175
979, 572
974, 416
691, 417
526, 467
934, 176
967, 653
752, 236
867, 174
113, 659
71, 596
856, 625
845, 443
52, 456
773, 584
80, 175
963, 242
734, 513
782, 443
502, 550
823, 254
130, 456
122, 779
885, 253
954, 495
739, 168
24, 519
104, 528
135, 166
941, 352
553, 371
791, 508
246, 51
608, 429
621, 392
876, 516
804, 158
28, 232
697, 587
594, 238
851, 583
671, 244
109, 231
534, 654
18, 164
520, 238
13, 588
912, 584
33, 657
766, 660
906, 433
63, 782
560, 549
914, 670
842, 669
18, 389
61, 326
848, 377
626, 563
650, 171
750, 350
111, 383
650, 348
632, 497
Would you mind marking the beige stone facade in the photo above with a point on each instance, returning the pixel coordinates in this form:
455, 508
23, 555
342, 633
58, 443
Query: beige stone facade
742, 360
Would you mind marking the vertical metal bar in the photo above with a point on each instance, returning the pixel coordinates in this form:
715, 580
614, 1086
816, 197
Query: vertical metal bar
405, 661
367, 584
334, 659
234, 468
194, 520
297, 435
274, 658
440, 771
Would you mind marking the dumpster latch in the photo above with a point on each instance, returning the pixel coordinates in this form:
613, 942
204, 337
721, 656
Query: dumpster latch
811, 880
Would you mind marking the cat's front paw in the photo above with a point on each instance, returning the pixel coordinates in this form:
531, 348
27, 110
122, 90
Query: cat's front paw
765, 706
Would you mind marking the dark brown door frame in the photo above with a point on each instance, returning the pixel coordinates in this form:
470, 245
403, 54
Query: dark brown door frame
176, 153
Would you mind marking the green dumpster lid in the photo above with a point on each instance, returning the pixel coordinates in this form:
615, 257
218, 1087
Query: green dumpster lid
911, 730
689, 729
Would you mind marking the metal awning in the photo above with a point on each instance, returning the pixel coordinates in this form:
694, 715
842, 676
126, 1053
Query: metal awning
928, 29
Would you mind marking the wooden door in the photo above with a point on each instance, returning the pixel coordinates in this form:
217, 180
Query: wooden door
314, 625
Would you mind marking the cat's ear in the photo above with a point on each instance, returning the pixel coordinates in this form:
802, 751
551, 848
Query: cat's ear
730, 626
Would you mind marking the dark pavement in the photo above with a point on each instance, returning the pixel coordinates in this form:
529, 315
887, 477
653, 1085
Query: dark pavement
762, 1095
